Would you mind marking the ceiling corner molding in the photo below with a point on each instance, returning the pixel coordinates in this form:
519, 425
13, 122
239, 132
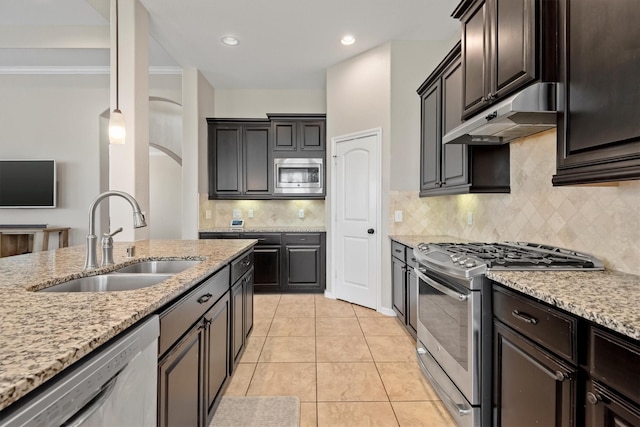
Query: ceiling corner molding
76, 70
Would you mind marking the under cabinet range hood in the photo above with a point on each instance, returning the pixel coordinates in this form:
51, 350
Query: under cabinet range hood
529, 111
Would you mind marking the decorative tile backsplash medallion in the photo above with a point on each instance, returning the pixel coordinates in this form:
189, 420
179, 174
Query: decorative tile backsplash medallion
601, 220
266, 213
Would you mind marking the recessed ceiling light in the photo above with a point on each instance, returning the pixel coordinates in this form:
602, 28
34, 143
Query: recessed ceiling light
348, 40
230, 41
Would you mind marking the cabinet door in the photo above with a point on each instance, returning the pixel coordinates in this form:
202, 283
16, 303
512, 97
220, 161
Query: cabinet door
598, 127
180, 386
303, 266
217, 355
284, 135
398, 285
605, 408
531, 387
513, 50
248, 303
454, 156
266, 261
237, 327
475, 50
412, 302
225, 151
312, 135
431, 138
257, 167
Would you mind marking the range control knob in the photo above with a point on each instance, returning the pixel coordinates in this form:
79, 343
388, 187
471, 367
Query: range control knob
470, 263
455, 258
462, 261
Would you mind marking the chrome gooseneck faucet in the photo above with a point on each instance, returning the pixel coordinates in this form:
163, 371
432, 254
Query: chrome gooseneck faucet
91, 260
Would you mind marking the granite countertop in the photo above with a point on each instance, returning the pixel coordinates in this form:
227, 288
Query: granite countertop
607, 298
277, 229
42, 333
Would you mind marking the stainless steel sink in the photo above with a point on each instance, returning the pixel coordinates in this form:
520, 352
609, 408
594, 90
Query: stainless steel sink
108, 283
158, 267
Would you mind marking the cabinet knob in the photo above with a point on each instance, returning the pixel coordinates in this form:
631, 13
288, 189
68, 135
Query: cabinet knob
484, 99
561, 376
593, 398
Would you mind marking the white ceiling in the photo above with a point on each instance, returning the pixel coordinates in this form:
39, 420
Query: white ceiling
284, 44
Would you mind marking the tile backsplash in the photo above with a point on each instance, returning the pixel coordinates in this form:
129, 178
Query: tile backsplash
601, 220
266, 213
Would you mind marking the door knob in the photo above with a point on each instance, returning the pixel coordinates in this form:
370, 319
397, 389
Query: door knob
370, 231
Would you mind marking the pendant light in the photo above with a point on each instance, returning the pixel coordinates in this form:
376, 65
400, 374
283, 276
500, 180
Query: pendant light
117, 130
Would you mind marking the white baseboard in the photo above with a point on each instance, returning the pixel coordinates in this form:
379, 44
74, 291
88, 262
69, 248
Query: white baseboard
387, 311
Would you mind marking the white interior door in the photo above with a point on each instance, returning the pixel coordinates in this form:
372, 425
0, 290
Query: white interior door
357, 218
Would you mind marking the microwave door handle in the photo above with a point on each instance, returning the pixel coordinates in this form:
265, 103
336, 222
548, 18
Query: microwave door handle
449, 292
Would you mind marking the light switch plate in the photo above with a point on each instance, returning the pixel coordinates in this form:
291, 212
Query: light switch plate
250, 213
236, 213
207, 214
397, 215
470, 218
301, 213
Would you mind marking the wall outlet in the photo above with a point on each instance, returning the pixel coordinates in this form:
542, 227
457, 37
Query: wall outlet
250, 213
237, 213
397, 216
470, 218
301, 213
207, 214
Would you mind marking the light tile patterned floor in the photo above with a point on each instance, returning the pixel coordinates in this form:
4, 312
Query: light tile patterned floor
349, 365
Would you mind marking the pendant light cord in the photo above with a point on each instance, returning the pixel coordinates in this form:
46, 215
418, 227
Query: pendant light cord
117, 62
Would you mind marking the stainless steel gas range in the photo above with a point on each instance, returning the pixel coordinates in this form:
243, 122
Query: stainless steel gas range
454, 315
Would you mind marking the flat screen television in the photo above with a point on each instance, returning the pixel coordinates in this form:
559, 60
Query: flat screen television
27, 183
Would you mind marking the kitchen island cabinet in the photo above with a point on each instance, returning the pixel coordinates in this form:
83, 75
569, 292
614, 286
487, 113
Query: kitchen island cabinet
77, 323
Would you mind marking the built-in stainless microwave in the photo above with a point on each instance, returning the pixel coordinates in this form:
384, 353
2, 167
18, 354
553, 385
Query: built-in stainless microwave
298, 176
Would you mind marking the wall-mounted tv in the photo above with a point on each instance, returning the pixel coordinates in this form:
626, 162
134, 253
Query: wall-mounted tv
27, 183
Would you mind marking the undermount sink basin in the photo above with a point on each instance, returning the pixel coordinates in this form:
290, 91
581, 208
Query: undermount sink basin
108, 283
158, 267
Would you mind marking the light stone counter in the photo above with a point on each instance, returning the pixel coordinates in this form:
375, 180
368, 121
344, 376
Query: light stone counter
42, 333
607, 298
277, 229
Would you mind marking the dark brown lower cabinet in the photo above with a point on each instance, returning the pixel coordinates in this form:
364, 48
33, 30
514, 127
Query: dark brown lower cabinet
180, 385
531, 386
217, 349
404, 286
237, 328
267, 267
196, 367
613, 388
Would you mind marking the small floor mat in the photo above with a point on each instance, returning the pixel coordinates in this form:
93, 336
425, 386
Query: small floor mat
278, 411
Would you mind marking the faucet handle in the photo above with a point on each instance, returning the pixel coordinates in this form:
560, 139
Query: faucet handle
112, 234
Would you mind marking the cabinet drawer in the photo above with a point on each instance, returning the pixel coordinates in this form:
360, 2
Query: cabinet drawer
177, 319
302, 239
412, 262
241, 265
615, 362
397, 250
549, 327
264, 238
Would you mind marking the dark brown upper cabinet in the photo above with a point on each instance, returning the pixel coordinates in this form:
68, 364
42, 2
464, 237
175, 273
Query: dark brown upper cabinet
239, 159
506, 45
454, 168
298, 135
599, 108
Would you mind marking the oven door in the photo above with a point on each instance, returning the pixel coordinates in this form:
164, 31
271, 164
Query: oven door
449, 316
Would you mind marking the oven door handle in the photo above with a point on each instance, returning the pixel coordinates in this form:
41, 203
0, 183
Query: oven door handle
447, 291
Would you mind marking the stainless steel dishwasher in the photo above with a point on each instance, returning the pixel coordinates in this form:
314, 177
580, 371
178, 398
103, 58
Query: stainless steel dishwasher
116, 385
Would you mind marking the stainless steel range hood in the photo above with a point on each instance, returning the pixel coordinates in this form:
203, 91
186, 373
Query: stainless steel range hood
529, 111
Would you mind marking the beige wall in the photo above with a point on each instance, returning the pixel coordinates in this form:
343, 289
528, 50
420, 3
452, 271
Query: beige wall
247, 103
602, 220
359, 98
411, 63
56, 117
